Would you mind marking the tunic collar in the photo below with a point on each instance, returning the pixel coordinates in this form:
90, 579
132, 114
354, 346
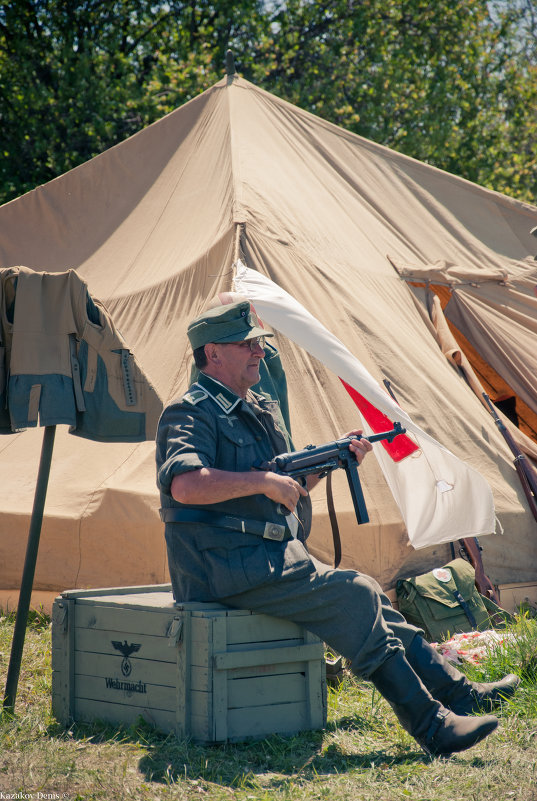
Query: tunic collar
223, 396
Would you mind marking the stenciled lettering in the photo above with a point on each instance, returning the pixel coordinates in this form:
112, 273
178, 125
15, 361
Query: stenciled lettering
128, 686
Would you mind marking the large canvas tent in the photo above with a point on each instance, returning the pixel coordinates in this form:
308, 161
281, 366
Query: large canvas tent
353, 231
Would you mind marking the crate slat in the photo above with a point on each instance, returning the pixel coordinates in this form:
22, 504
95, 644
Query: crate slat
265, 691
88, 711
264, 720
265, 656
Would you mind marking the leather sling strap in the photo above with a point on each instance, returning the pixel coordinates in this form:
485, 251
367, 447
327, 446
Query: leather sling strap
466, 609
333, 520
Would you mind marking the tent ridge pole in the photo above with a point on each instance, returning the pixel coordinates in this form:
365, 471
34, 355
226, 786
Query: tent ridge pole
237, 247
230, 63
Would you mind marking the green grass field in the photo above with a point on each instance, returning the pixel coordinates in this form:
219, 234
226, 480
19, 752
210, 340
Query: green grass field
362, 754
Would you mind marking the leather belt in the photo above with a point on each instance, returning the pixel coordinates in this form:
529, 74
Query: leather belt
267, 530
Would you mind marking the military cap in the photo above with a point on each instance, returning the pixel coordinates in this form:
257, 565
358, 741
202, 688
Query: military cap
232, 323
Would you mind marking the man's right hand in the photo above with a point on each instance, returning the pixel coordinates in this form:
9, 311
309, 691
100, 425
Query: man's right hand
283, 489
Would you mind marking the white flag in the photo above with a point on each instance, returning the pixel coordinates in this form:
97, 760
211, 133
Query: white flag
440, 497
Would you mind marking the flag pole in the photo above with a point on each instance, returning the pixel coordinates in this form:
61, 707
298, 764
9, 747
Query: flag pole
32, 548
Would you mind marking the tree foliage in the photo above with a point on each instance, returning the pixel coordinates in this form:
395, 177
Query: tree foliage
78, 77
445, 82
451, 82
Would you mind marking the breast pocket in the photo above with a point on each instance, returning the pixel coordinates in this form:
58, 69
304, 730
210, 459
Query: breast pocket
236, 448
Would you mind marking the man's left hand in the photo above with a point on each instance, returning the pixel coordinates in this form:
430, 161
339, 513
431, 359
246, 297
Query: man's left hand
360, 447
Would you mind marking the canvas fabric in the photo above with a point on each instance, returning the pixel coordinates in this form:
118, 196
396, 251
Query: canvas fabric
454, 353
154, 226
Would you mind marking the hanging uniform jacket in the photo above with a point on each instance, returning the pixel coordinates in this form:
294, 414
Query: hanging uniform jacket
66, 363
8, 283
4, 415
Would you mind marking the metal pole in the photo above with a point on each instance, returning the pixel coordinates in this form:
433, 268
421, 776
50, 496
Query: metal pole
29, 568
230, 62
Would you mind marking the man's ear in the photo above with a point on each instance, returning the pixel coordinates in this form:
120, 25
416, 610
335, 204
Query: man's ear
211, 353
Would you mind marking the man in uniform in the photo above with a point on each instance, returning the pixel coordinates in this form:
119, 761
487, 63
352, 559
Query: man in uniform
238, 536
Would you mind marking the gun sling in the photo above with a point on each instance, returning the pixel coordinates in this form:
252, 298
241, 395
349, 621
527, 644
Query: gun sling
268, 530
333, 520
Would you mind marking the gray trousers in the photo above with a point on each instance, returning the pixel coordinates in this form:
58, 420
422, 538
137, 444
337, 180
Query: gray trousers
346, 609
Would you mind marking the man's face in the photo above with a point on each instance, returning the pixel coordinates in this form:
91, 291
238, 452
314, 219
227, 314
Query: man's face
236, 364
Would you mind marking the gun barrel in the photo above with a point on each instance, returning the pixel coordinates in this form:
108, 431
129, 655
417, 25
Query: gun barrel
493, 411
388, 435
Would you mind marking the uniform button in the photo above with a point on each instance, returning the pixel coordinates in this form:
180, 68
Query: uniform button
240, 440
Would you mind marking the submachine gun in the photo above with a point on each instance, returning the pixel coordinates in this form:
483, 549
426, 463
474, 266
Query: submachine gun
323, 459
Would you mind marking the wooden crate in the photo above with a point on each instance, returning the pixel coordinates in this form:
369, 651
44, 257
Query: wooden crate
199, 670
513, 595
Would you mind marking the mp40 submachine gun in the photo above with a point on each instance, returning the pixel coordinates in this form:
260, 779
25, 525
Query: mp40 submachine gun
321, 460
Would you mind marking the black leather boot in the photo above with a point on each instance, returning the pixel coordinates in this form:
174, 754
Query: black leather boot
436, 729
451, 687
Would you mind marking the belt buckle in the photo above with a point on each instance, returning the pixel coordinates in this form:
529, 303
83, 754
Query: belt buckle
273, 531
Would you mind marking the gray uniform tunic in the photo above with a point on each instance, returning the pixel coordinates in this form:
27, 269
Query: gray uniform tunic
212, 427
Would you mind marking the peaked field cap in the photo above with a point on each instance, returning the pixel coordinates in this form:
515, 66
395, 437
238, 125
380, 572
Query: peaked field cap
232, 323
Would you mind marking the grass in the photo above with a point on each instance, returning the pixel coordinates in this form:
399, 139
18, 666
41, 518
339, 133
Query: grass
362, 754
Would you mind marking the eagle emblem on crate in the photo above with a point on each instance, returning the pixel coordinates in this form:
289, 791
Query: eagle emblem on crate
126, 649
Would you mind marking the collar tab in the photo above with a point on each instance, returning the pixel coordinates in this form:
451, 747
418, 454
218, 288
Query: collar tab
226, 399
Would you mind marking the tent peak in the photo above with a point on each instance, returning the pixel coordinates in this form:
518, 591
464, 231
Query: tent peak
230, 62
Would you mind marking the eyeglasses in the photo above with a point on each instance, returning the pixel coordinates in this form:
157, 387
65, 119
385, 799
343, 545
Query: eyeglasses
252, 344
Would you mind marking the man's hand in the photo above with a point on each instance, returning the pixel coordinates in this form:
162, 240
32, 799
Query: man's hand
360, 447
283, 489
